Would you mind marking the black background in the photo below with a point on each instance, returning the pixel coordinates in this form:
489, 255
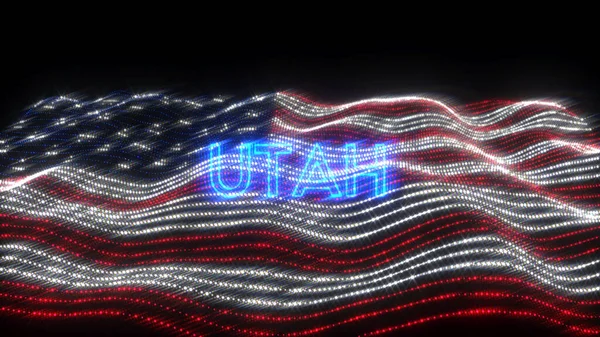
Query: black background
536, 65
529, 66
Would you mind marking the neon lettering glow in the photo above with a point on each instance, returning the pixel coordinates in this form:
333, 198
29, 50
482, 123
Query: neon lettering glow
314, 174
245, 172
272, 151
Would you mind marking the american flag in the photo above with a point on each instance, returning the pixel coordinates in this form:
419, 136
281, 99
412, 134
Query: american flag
106, 211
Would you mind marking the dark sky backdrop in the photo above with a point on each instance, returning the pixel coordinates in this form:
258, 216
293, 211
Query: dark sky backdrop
333, 73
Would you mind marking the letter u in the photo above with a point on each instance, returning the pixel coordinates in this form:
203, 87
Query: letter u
244, 176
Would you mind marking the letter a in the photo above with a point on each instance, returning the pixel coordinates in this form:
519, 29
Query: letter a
316, 175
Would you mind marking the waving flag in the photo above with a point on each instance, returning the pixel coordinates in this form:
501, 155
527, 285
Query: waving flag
490, 209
